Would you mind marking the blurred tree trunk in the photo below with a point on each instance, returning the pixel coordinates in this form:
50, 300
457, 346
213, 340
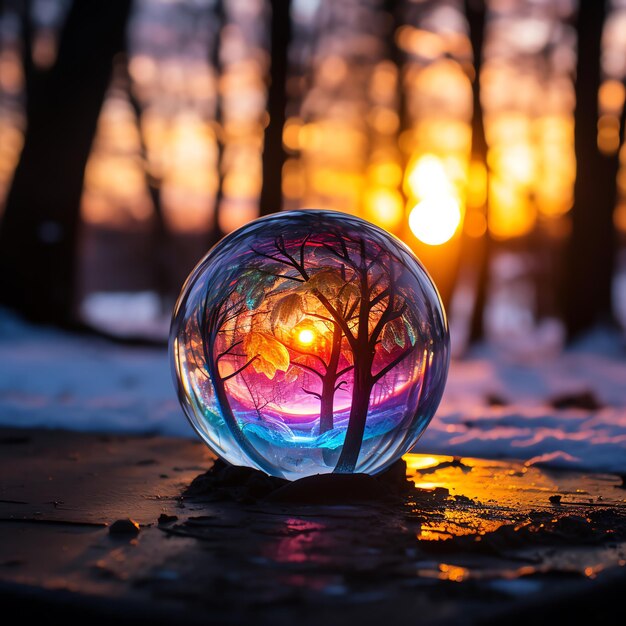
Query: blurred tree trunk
475, 11
397, 56
591, 251
274, 155
38, 233
215, 60
160, 240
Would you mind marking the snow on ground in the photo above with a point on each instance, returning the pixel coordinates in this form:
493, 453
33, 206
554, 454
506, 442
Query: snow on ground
49, 378
527, 427
53, 379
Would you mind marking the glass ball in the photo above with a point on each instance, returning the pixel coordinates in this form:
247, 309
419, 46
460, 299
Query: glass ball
310, 342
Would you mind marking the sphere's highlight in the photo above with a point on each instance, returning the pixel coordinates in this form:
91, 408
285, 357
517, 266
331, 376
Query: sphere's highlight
309, 342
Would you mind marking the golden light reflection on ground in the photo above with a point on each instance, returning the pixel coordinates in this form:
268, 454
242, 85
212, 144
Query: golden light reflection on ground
219, 551
468, 519
493, 493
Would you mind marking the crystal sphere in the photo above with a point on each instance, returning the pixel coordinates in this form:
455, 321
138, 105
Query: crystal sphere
309, 342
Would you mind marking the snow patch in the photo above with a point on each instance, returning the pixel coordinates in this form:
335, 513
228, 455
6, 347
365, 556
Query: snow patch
53, 379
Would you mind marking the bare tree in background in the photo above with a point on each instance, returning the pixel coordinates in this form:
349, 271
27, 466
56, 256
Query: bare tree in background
475, 11
215, 60
396, 11
38, 234
159, 233
274, 155
591, 254
165, 245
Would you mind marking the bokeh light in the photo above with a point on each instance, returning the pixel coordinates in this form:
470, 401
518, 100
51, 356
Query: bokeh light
434, 220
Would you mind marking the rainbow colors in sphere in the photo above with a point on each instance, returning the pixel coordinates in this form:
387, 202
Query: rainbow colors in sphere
310, 342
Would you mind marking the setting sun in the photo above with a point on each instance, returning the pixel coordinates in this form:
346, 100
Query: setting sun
435, 220
436, 213
306, 337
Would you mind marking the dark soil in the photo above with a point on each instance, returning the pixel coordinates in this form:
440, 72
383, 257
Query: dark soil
439, 540
224, 482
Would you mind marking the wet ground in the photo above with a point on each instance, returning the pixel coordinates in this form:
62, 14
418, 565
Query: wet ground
465, 541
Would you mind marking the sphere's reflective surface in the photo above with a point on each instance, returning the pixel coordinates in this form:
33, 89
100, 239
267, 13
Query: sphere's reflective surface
309, 342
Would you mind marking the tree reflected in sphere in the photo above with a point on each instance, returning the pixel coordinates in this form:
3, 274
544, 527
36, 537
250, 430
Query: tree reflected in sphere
309, 342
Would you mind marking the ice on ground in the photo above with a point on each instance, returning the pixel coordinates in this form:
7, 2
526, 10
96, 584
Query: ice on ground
53, 379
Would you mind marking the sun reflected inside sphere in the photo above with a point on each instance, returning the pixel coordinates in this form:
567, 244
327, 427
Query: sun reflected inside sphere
306, 337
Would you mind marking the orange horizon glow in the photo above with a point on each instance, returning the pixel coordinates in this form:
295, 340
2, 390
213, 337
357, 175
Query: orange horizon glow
402, 175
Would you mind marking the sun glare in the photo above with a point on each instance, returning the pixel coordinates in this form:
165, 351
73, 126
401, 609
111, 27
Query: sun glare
434, 220
427, 177
306, 337
437, 212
